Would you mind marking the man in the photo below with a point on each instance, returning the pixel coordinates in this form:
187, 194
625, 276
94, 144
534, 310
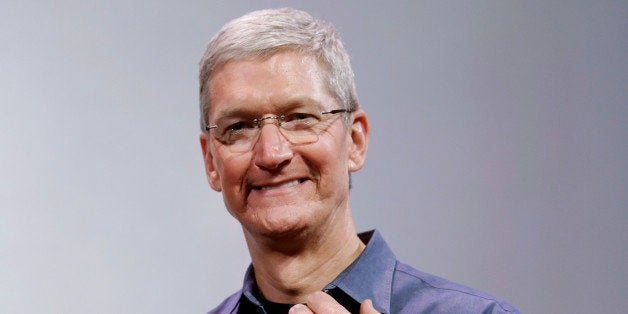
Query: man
282, 131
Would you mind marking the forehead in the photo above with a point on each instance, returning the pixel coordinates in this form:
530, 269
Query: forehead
286, 78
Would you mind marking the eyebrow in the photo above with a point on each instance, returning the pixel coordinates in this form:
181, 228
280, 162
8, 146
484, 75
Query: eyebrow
233, 111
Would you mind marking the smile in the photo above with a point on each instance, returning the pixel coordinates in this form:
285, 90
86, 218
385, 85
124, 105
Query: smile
282, 185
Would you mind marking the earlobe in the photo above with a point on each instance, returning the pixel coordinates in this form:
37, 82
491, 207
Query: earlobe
359, 138
213, 177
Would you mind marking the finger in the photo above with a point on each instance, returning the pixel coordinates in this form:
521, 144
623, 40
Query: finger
321, 302
299, 309
366, 307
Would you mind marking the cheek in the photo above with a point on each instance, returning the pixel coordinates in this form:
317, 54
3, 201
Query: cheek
330, 158
232, 170
333, 149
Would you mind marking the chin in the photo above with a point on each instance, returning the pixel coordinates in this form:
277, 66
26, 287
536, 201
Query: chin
279, 228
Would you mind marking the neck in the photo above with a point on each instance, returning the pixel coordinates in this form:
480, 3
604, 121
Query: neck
289, 274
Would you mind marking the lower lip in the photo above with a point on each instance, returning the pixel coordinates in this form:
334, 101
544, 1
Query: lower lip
281, 189
282, 186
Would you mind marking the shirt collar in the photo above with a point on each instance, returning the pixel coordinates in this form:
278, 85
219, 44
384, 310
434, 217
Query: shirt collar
371, 274
368, 277
249, 286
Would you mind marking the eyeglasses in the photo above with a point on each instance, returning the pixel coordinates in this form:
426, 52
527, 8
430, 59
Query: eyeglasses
298, 128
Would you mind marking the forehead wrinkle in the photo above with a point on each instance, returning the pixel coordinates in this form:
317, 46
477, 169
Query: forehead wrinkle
232, 113
240, 104
299, 90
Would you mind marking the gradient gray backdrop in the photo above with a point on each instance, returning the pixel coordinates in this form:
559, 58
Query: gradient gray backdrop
498, 154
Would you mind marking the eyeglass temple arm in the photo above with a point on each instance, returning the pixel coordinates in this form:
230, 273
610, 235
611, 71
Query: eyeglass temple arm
335, 111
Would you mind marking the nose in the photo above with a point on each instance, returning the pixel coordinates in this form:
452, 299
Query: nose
272, 150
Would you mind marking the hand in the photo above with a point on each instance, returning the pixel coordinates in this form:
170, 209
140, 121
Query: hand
321, 302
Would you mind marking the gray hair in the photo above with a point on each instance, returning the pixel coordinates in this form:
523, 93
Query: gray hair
260, 34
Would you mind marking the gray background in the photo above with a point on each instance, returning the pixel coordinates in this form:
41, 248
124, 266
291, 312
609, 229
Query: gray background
498, 154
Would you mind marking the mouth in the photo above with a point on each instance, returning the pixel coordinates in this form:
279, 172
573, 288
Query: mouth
286, 184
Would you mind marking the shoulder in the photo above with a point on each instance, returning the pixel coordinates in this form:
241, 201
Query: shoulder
229, 305
414, 289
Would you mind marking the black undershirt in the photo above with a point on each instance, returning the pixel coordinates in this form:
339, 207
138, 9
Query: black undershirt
281, 308
272, 307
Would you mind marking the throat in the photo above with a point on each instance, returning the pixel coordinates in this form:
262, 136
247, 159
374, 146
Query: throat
289, 279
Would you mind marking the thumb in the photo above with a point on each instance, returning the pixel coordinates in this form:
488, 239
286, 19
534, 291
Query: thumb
366, 307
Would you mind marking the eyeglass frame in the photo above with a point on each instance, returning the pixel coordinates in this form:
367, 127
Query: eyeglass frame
259, 123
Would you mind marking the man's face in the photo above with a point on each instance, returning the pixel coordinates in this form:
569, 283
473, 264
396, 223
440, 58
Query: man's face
277, 188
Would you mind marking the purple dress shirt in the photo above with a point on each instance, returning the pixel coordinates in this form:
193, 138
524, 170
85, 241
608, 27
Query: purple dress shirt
393, 287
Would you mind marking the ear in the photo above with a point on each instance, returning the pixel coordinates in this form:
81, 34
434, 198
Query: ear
213, 177
358, 140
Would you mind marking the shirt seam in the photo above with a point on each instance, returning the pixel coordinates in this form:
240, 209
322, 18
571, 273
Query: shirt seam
451, 289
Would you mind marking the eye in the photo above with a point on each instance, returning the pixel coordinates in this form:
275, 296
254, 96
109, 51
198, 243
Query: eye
299, 120
300, 117
237, 127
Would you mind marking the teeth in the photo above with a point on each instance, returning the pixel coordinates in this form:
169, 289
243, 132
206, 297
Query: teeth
287, 184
